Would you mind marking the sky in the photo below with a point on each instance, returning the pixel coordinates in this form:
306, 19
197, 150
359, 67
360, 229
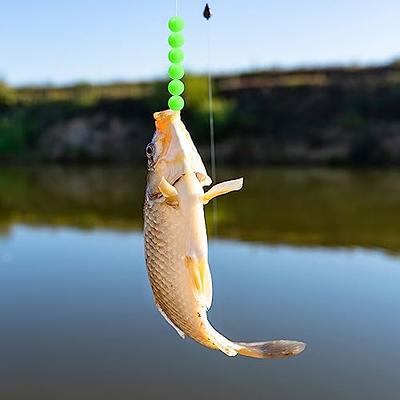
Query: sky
62, 42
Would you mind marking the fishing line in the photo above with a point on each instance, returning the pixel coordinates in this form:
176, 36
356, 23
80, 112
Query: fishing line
207, 13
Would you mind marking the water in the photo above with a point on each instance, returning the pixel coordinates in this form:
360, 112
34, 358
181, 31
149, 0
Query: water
302, 254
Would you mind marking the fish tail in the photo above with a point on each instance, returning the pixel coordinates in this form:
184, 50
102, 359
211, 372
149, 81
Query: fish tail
271, 349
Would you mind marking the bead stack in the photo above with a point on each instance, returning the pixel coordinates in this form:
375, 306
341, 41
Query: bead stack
176, 70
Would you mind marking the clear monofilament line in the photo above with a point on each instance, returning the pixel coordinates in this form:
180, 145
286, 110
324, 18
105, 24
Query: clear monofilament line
211, 124
176, 8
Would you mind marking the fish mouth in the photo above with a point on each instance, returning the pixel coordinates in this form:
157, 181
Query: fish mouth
158, 115
165, 117
178, 150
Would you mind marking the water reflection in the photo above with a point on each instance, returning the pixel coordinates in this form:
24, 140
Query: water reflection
300, 207
78, 319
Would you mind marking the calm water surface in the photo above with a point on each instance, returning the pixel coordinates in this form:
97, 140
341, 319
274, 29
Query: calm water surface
300, 254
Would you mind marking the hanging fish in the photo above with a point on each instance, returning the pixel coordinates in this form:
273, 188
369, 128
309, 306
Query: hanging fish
176, 248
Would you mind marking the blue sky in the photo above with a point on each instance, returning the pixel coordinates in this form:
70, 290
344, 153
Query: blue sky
47, 41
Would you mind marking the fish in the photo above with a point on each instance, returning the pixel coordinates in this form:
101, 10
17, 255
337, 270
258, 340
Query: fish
175, 238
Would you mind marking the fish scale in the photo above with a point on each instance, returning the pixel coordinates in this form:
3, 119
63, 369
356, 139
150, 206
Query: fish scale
176, 247
169, 278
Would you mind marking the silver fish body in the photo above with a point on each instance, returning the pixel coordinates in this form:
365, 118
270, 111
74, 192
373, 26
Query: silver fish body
176, 249
169, 257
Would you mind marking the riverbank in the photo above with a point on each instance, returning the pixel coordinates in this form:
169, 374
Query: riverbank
328, 116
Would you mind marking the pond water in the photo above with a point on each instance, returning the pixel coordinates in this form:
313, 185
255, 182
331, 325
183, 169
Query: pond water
300, 254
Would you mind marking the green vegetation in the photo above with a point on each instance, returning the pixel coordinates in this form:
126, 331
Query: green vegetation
315, 116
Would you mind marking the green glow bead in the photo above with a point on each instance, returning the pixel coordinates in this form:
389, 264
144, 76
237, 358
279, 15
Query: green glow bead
176, 87
176, 24
176, 103
176, 40
176, 56
176, 71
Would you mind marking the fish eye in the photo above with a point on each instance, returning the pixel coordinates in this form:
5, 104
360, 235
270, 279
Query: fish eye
150, 150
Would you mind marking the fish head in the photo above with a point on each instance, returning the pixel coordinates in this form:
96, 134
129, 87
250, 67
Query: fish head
171, 153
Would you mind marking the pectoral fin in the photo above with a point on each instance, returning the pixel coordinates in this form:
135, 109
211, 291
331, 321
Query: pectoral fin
222, 188
201, 279
168, 191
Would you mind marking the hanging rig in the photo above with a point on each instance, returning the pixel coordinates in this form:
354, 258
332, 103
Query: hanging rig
176, 87
207, 13
176, 56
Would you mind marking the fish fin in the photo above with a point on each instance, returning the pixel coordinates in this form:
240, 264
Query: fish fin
271, 349
222, 188
201, 278
168, 191
178, 331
